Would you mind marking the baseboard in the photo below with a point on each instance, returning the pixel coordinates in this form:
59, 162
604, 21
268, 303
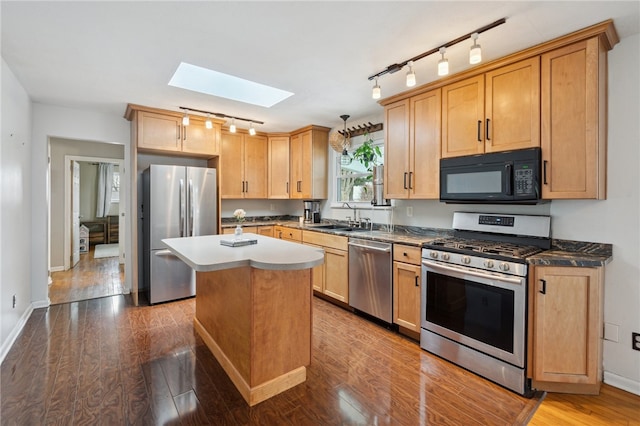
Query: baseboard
8, 343
41, 303
57, 268
622, 383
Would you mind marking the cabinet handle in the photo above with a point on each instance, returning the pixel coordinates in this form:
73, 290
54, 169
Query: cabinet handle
410, 180
299, 186
404, 253
479, 132
287, 187
405, 180
486, 130
178, 131
544, 172
544, 287
246, 187
417, 281
184, 134
243, 186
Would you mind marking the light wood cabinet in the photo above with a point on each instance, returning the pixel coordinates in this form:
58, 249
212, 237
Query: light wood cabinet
566, 323
308, 163
332, 277
286, 233
243, 166
267, 231
163, 132
406, 286
412, 147
245, 229
278, 166
574, 121
495, 111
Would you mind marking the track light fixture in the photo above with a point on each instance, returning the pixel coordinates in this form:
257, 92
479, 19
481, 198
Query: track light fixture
376, 90
443, 63
208, 122
475, 54
411, 75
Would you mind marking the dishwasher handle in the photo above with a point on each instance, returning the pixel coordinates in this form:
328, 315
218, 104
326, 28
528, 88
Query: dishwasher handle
382, 249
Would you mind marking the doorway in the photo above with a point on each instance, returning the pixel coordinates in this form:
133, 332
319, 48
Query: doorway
79, 271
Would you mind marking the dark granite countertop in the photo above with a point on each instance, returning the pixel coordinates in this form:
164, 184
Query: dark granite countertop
562, 252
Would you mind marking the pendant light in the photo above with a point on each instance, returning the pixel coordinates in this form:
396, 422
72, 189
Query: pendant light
208, 124
376, 90
185, 119
411, 76
232, 127
252, 131
475, 52
345, 159
443, 64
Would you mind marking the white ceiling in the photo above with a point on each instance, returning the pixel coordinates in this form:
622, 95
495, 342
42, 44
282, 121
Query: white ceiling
103, 55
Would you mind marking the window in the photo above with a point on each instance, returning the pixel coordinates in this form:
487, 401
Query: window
354, 181
115, 188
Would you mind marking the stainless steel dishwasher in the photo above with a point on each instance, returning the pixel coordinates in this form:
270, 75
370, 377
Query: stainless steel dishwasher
370, 285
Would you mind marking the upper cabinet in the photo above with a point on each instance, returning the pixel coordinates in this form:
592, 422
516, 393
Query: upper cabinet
243, 165
278, 182
574, 121
308, 163
495, 111
412, 147
161, 131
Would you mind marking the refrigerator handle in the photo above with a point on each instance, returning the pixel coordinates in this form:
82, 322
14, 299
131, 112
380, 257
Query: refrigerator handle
190, 204
182, 207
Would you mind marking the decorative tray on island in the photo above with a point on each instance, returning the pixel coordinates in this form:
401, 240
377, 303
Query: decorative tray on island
237, 242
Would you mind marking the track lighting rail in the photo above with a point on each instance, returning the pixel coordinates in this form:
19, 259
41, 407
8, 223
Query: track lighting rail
397, 67
221, 115
361, 129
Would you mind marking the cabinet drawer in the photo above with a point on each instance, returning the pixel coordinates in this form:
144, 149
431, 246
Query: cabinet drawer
407, 254
288, 233
325, 240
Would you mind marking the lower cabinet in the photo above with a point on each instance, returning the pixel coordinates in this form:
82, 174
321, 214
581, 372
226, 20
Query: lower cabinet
565, 329
286, 233
406, 287
245, 229
332, 277
265, 230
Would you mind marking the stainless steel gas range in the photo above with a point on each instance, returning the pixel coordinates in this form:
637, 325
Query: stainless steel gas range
474, 294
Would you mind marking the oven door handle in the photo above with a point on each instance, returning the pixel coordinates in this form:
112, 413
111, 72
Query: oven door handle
514, 280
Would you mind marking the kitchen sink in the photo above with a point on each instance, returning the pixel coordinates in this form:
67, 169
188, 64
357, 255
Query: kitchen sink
340, 228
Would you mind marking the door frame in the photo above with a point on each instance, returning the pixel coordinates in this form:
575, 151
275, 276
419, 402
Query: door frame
67, 204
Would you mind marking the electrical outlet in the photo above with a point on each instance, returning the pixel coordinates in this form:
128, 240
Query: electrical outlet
14, 301
409, 211
635, 341
272, 207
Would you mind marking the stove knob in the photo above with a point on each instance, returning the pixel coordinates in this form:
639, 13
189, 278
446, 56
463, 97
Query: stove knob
433, 254
445, 256
465, 259
488, 263
504, 266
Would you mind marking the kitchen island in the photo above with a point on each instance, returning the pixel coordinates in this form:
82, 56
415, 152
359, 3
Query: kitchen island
253, 308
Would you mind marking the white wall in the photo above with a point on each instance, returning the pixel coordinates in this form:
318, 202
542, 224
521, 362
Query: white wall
67, 123
615, 220
15, 225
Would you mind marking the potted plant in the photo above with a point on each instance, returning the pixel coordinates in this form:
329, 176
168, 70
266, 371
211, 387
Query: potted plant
367, 154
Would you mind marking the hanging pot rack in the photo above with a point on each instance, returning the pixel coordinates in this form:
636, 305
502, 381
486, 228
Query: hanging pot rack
361, 129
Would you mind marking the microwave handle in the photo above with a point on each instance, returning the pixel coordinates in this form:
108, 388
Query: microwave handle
509, 176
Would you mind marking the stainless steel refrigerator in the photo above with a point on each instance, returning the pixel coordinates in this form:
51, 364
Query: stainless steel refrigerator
179, 201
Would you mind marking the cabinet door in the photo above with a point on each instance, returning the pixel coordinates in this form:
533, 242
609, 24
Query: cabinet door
317, 273
231, 165
396, 150
278, 182
462, 117
406, 295
197, 139
512, 109
158, 131
567, 325
336, 279
255, 166
295, 152
424, 147
306, 166
573, 142
265, 230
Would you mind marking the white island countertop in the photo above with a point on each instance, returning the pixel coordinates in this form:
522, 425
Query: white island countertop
205, 253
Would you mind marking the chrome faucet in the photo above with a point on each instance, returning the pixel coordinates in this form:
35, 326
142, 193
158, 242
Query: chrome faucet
355, 222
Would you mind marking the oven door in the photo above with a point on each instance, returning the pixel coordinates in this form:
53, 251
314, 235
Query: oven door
480, 309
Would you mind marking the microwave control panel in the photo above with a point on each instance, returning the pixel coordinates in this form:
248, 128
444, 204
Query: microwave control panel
524, 180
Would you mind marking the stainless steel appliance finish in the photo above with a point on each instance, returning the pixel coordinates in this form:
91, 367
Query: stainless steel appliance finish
178, 202
473, 301
370, 280
311, 211
378, 187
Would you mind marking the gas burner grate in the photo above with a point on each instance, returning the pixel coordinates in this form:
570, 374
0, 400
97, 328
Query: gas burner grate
464, 245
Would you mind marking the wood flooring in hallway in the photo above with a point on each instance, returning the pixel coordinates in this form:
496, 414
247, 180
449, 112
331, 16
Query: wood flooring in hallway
89, 279
104, 361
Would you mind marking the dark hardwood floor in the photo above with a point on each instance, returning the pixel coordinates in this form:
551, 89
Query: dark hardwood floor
103, 361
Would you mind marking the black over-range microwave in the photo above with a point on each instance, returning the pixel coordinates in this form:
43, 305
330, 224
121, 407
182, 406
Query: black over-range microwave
507, 177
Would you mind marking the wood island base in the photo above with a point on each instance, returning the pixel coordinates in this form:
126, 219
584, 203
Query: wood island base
257, 324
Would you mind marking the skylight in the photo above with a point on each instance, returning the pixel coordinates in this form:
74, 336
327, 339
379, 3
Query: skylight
203, 80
